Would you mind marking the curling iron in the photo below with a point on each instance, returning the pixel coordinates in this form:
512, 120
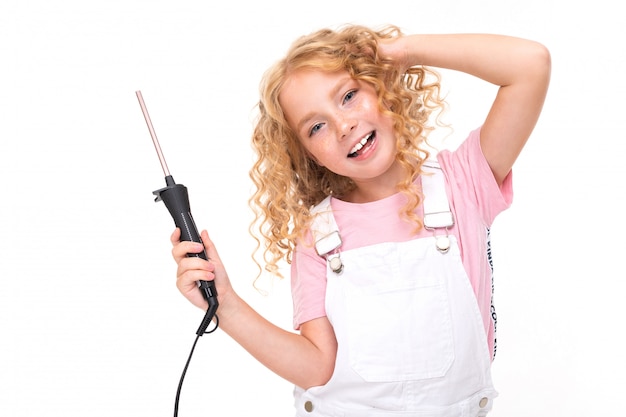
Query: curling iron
176, 199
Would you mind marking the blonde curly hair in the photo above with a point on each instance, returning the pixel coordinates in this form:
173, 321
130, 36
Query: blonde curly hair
288, 182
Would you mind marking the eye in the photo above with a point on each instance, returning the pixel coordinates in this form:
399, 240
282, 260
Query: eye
316, 127
349, 96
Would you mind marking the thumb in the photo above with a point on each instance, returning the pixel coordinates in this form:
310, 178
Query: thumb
211, 251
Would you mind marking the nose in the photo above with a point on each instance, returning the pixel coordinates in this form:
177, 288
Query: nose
345, 125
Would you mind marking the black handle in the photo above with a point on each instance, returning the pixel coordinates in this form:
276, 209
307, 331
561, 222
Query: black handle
176, 199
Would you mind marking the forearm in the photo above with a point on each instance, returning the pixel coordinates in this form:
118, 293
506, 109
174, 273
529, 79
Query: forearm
290, 355
306, 359
499, 59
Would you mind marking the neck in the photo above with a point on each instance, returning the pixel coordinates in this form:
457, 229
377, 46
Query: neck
376, 189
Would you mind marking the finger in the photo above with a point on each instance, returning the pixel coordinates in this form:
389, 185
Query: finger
182, 249
175, 237
188, 276
211, 251
193, 263
187, 285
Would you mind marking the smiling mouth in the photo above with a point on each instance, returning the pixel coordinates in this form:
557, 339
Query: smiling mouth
360, 147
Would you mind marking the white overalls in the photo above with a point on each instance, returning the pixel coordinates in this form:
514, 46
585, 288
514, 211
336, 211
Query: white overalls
411, 340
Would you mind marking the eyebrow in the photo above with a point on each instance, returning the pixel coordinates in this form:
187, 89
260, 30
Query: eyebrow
333, 92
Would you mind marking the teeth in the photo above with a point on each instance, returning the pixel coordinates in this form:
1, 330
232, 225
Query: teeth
360, 145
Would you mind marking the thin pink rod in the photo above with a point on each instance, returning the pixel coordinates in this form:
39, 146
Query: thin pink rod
146, 116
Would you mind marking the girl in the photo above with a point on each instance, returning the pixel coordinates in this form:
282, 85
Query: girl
388, 245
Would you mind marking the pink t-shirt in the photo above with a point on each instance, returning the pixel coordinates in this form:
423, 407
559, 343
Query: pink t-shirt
475, 200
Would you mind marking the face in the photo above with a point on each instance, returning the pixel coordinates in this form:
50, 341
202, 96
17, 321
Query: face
338, 122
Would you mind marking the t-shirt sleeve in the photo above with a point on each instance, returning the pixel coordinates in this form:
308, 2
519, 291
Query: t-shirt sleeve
308, 284
471, 180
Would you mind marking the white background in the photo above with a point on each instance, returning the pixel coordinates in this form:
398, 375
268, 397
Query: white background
91, 323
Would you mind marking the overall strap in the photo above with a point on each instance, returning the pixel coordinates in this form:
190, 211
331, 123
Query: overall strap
326, 234
437, 213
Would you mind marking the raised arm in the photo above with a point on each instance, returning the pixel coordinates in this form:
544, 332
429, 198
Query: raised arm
520, 67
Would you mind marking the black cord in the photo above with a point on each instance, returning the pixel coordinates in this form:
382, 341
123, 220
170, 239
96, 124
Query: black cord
182, 377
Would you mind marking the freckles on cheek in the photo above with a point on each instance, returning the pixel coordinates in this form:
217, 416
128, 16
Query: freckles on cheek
318, 153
